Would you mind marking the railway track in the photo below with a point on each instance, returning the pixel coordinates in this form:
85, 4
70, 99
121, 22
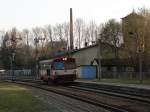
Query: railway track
66, 92
98, 89
127, 95
116, 89
103, 99
118, 92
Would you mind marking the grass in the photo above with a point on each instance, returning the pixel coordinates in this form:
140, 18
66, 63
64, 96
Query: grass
14, 98
125, 81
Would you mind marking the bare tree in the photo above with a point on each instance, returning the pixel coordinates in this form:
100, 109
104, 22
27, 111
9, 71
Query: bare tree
47, 35
50, 33
2, 33
86, 36
92, 31
14, 38
79, 24
59, 34
66, 33
37, 35
5, 38
26, 34
57, 29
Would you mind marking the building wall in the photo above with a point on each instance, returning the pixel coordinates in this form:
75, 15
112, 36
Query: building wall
85, 56
139, 39
133, 31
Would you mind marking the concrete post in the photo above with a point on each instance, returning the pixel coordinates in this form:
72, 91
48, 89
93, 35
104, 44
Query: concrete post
99, 60
71, 30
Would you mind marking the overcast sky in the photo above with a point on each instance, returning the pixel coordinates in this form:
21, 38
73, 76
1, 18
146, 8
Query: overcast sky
31, 13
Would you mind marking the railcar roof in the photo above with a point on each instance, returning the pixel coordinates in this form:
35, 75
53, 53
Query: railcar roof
46, 61
56, 59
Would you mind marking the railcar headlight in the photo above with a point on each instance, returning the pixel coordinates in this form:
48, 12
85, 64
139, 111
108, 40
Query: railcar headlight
64, 59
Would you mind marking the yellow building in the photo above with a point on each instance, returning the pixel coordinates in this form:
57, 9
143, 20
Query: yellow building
133, 29
136, 36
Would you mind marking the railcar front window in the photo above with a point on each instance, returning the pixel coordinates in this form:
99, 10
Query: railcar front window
59, 65
70, 65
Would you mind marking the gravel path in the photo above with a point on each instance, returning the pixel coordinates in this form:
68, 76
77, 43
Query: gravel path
59, 103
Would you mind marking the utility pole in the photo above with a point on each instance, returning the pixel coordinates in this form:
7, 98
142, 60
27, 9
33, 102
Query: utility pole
13, 46
12, 59
27, 58
99, 59
140, 52
11, 68
140, 66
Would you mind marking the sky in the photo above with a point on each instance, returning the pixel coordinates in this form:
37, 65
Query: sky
31, 13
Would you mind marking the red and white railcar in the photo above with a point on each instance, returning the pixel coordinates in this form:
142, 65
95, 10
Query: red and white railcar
61, 69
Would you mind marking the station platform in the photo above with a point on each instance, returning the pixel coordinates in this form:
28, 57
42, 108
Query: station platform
123, 85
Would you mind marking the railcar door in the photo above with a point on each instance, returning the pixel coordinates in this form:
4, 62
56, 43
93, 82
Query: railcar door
48, 72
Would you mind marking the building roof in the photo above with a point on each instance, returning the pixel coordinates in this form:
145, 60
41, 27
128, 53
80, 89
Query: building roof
66, 53
132, 14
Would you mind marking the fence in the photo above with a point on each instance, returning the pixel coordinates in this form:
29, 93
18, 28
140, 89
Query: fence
125, 75
16, 74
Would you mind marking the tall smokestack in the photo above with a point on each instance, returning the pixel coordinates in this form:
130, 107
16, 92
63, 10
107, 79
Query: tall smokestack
71, 30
